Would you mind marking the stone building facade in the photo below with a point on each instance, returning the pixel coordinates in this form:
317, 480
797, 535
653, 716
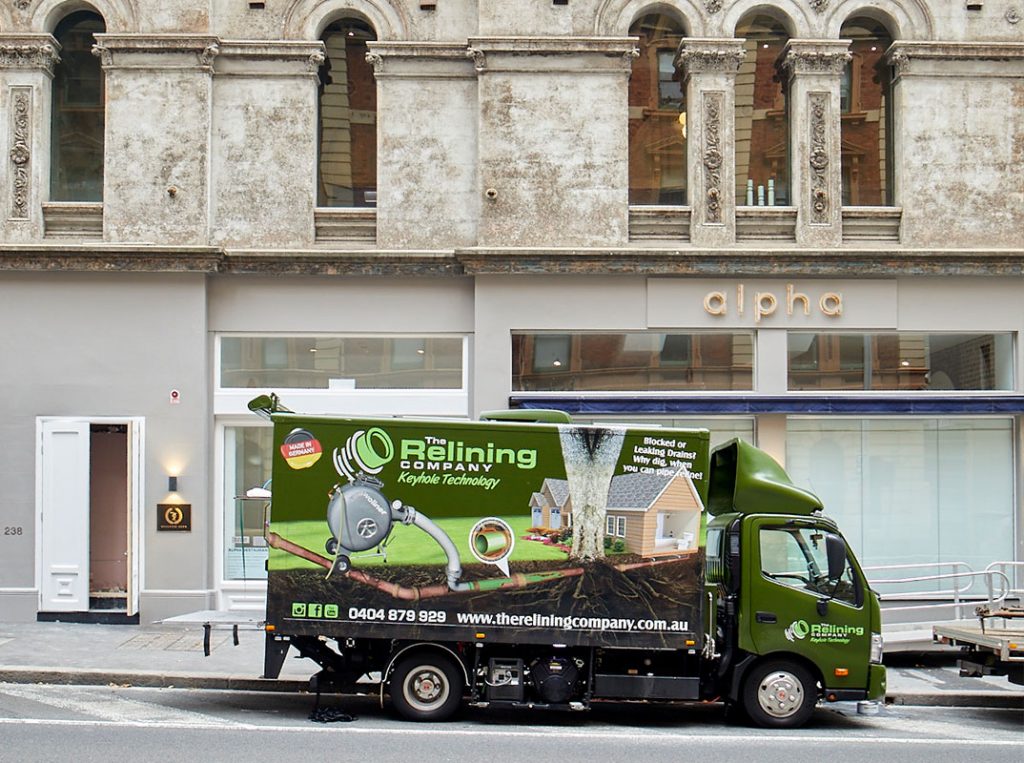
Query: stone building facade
796, 221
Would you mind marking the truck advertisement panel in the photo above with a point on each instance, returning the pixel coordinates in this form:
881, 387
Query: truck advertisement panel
529, 533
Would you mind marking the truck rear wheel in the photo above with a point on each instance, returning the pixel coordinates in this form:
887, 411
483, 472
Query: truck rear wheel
426, 687
779, 694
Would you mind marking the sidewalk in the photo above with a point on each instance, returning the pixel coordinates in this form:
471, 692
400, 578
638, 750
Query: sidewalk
172, 656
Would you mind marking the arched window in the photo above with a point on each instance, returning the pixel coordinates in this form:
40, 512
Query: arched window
866, 116
347, 173
76, 145
762, 121
657, 115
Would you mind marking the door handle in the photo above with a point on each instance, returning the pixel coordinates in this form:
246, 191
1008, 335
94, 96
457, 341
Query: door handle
766, 617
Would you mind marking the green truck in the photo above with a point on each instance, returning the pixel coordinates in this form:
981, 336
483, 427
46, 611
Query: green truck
523, 560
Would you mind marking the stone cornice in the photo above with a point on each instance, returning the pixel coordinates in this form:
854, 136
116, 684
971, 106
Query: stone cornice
848, 262
533, 53
816, 56
859, 262
903, 53
419, 59
709, 55
29, 51
263, 57
156, 51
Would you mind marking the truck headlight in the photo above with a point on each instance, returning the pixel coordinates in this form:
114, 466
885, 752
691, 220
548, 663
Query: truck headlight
876, 648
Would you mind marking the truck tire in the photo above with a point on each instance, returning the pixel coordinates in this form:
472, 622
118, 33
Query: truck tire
779, 694
426, 687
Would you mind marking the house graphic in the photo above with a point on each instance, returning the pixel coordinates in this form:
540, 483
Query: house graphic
653, 514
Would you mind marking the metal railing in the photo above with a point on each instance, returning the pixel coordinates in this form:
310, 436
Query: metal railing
954, 588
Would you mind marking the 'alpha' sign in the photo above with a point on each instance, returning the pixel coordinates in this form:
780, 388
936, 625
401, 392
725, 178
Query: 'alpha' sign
765, 303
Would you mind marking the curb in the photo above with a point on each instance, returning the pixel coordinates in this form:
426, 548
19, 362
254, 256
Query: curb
149, 680
1010, 700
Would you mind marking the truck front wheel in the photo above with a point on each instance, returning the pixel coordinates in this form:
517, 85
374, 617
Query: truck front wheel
779, 694
426, 687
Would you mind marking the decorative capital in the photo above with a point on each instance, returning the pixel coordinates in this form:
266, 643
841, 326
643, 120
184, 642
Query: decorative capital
28, 55
816, 57
104, 54
209, 53
710, 56
479, 59
376, 60
900, 62
315, 61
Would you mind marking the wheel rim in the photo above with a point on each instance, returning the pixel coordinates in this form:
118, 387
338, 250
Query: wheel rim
425, 688
780, 694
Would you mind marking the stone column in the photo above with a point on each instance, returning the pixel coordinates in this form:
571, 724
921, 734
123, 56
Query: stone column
815, 68
26, 75
709, 68
263, 152
156, 180
427, 157
553, 134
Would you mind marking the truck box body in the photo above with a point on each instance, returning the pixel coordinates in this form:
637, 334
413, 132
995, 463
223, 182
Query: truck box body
462, 531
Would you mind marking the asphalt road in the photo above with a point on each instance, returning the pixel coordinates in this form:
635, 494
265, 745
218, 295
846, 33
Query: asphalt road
102, 724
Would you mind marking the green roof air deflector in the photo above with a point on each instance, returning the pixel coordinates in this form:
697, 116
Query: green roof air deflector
746, 479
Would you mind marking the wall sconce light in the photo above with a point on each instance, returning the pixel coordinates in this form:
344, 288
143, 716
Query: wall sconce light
172, 484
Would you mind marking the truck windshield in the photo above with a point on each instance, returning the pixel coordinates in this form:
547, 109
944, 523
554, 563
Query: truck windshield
796, 557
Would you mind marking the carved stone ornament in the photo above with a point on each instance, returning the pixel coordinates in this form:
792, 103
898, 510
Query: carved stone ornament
28, 56
103, 54
22, 4
819, 159
209, 53
21, 153
316, 60
705, 59
817, 61
1012, 16
629, 57
376, 60
479, 58
711, 115
819, 5
900, 62
713, 6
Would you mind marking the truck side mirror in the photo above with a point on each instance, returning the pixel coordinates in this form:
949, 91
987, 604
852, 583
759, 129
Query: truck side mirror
835, 550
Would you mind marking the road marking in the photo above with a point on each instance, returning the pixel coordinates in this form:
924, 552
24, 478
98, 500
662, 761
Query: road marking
545, 734
103, 703
922, 676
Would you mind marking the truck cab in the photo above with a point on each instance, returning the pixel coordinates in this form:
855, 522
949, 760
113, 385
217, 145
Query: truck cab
791, 617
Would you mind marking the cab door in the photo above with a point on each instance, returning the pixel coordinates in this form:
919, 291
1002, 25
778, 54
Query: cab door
790, 604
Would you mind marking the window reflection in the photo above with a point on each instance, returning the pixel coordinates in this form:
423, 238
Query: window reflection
657, 115
348, 118
938, 362
341, 363
762, 123
866, 116
76, 147
634, 361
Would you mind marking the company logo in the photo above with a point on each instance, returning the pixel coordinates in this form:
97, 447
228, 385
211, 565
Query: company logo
822, 633
797, 630
366, 451
301, 449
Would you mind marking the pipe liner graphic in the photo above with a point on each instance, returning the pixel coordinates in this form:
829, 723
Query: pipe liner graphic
366, 451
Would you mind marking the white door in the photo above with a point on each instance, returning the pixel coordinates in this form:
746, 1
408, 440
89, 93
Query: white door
64, 516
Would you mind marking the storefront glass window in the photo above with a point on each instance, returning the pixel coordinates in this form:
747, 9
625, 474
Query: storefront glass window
348, 118
247, 463
866, 116
657, 115
901, 362
637, 361
762, 123
911, 491
341, 363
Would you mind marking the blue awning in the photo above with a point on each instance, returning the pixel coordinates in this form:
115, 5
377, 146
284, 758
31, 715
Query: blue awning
794, 404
